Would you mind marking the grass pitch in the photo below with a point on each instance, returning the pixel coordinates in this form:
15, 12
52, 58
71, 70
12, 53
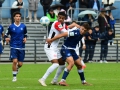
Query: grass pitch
102, 76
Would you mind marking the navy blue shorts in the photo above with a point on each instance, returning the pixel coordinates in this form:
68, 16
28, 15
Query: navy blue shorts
1, 48
68, 53
17, 54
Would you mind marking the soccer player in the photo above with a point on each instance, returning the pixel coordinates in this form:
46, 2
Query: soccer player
1, 36
52, 51
18, 37
69, 54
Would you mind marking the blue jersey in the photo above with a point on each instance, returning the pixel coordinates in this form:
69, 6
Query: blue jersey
17, 34
73, 38
1, 31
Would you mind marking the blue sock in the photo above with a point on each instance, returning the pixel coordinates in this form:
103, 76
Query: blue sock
81, 74
65, 74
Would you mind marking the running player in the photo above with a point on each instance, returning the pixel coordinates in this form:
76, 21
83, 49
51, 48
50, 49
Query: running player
18, 37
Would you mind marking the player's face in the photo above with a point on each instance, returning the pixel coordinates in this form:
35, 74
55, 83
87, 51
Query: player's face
82, 30
17, 18
61, 18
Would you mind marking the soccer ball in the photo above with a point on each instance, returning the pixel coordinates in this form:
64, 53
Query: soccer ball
44, 21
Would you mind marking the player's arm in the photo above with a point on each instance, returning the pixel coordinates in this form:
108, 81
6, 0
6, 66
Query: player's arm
6, 37
49, 41
73, 25
25, 35
83, 42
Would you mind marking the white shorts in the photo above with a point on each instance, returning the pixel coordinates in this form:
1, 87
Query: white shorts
52, 53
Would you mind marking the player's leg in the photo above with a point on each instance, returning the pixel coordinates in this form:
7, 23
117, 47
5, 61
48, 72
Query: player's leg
21, 57
14, 58
14, 69
80, 71
66, 55
58, 72
52, 56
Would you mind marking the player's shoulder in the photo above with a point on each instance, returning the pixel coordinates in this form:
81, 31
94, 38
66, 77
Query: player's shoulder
23, 24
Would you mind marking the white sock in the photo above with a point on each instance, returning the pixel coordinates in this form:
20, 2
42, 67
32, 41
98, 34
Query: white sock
59, 71
14, 73
50, 70
82, 63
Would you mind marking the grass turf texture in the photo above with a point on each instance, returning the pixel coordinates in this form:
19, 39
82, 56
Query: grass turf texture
102, 76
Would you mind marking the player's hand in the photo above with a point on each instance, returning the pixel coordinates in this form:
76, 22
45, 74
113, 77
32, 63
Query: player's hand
24, 40
7, 40
84, 47
48, 41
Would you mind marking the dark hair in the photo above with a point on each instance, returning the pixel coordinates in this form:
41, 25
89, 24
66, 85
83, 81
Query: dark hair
63, 14
16, 13
96, 27
110, 30
86, 26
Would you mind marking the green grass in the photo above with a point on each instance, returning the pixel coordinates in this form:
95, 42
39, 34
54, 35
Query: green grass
102, 76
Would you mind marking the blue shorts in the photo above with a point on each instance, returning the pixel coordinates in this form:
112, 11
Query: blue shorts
68, 53
1, 48
17, 54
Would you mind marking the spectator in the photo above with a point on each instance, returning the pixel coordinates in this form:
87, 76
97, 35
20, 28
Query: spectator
95, 4
57, 10
104, 45
51, 15
1, 2
83, 3
46, 5
33, 7
108, 3
89, 18
71, 4
102, 21
111, 22
16, 6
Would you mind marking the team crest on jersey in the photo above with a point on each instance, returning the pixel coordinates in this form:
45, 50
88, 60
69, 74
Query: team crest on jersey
60, 26
13, 28
71, 33
21, 28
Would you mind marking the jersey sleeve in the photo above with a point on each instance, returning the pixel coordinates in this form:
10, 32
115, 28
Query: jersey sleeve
25, 32
73, 33
59, 27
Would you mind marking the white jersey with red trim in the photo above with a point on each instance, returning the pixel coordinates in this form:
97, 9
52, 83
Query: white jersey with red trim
56, 29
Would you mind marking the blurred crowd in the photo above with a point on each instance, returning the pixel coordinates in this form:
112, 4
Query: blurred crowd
102, 25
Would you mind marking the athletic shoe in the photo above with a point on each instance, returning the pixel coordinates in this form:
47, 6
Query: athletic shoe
63, 83
101, 61
83, 66
14, 79
105, 61
54, 83
42, 82
85, 83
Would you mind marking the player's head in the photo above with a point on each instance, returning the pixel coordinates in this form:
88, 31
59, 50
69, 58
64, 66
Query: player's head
110, 32
17, 16
61, 17
96, 28
84, 28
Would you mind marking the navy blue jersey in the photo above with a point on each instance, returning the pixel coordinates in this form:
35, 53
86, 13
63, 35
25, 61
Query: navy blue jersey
1, 31
96, 35
73, 38
17, 34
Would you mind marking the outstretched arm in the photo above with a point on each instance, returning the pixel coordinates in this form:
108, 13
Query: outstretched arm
49, 41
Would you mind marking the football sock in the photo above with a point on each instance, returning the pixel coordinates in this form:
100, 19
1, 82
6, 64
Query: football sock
81, 74
82, 62
65, 74
14, 73
50, 70
59, 71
